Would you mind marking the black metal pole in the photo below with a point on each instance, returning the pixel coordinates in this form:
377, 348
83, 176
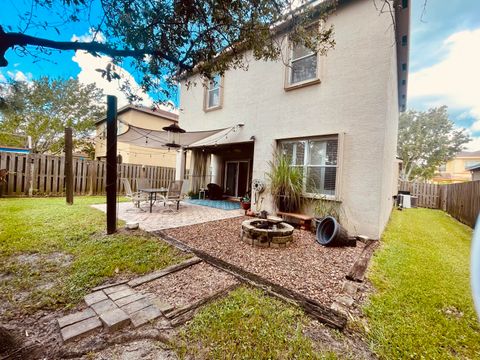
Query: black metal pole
69, 165
111, 185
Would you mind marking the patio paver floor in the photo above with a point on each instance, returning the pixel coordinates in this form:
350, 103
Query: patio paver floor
160, 218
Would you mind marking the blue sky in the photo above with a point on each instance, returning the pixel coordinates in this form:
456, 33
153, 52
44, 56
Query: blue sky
444, 58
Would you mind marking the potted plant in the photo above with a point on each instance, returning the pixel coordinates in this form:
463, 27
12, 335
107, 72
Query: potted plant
286, 183
245, 202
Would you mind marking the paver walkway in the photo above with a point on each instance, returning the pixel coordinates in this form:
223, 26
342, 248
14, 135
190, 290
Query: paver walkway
112, 308
143, 299
159, 219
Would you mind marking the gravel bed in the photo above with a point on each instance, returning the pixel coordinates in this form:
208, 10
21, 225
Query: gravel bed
305, 266
189, 285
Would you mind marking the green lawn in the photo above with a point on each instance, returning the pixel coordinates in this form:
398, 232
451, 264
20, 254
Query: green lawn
51, 254
248, 324
423, 307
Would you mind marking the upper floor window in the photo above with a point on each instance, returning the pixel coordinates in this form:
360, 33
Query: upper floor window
213, 93
318, 160
303, 65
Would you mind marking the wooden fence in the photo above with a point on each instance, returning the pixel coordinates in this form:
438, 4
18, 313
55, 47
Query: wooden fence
462, 200
428, 195
45, 173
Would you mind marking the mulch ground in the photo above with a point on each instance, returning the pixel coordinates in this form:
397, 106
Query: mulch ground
304, 266
189, 285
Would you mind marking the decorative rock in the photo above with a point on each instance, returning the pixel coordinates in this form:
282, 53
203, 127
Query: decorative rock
132, 225
75, 317
350, 288
145, 315
114, 319
339, 308
345, 300
275, 219
129, 299
104, 306
117, 288
121, 294
136, 305
95, 297
80, 328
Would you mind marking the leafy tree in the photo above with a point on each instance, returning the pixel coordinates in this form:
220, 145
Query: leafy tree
164, 38
426, 140
43, 108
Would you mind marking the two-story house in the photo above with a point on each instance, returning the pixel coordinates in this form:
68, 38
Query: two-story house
144, 118
335, 115
458, 169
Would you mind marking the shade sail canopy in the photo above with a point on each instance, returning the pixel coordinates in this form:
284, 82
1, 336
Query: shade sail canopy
155, 139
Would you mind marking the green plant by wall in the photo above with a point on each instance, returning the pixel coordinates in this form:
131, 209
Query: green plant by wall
286, 183
324, 207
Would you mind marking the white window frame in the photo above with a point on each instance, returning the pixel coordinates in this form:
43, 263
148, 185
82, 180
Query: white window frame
209, 90
338, 175
293, 60
288, 69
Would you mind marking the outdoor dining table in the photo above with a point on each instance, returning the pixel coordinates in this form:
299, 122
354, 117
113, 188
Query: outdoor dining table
152, 194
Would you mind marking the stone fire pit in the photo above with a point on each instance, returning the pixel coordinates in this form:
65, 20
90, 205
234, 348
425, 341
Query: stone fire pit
265, 233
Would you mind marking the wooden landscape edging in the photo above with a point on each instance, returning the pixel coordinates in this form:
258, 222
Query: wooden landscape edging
318, 311
181, 315
160, 273
359, 268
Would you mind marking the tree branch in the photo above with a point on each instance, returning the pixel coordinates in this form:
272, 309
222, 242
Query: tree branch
12, 39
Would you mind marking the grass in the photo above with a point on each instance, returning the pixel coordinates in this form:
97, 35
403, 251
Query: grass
52, 254
247, 324
423, 306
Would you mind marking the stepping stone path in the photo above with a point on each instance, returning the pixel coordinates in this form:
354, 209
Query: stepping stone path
118, 305
112, 308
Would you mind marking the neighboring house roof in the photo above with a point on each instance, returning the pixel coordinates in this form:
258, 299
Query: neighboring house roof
474, 168
468, 154
156, 112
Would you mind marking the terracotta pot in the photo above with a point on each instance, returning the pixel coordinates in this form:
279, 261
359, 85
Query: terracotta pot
245, 205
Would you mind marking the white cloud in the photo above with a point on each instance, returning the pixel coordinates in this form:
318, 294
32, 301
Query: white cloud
89, 36
2, 78
18, 75
88, 74
455, 80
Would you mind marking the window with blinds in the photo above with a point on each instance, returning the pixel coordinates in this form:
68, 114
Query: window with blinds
318, 159
303, 65
213, 93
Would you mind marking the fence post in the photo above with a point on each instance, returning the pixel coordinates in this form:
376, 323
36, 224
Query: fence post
69, 165
92, 175
111, 164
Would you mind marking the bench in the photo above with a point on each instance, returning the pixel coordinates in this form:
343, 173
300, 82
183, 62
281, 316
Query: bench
305, 220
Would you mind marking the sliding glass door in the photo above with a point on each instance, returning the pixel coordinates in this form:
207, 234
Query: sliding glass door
236, 178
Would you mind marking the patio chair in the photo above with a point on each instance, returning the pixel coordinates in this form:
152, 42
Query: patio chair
143, 183
215, 192
135, 197
174, 194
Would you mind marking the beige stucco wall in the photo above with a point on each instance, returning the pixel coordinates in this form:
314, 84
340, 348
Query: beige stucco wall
132, 154
357, 96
